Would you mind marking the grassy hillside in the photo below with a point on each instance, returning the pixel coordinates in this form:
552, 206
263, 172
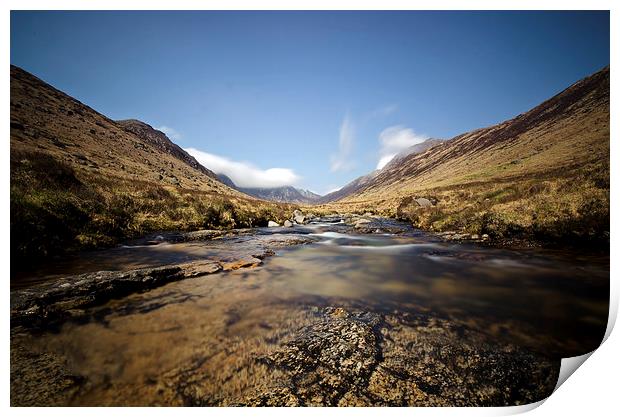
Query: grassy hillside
543, 175
80, 180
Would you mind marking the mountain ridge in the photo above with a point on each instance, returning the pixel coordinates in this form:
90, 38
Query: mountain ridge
284, 194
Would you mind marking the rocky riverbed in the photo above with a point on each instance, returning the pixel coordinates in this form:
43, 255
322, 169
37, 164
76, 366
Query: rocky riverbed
338, 310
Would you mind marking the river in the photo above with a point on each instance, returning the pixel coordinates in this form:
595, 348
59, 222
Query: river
439, 323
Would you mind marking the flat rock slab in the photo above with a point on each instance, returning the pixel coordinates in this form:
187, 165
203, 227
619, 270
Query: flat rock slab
59, 299
52, 300
200, 268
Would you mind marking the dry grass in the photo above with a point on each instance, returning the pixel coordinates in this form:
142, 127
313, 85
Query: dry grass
55, 208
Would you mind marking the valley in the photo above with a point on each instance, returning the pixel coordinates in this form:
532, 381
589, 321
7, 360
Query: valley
453, 276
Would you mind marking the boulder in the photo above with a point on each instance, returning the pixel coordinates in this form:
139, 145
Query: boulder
297, 213
361, 223
273, 224
288, 223
423, 202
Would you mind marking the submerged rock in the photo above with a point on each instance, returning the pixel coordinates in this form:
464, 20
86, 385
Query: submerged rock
359, 358
299, 355
29, 368
248, 262
330, 356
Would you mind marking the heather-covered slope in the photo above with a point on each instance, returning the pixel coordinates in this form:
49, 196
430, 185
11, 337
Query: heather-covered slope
160, 141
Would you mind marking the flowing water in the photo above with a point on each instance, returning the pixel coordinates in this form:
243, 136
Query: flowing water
550, 302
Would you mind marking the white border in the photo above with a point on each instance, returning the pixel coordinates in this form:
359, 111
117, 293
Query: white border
591, 391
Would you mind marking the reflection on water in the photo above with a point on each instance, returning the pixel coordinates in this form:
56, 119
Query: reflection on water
550, 302
553, 304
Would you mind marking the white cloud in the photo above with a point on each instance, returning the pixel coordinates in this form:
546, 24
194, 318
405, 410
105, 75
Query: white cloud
170, 132
341, 161
395, 139
245, 174
383, 161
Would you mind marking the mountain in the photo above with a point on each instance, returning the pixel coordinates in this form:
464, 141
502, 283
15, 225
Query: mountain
360, 182
544, 173
308, 194
285, 194
80, 179
224, 179
349, 189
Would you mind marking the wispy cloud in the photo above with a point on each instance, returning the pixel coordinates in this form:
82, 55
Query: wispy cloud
341, 161
170, 132
245, 174
395, 139
385, 110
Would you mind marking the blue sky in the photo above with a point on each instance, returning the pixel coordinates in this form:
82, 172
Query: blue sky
312, 99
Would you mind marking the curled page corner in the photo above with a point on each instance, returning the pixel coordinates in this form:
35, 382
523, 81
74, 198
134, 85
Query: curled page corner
569, 366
